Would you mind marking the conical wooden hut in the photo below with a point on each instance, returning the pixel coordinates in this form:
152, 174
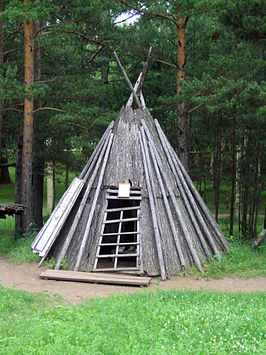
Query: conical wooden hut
133, 208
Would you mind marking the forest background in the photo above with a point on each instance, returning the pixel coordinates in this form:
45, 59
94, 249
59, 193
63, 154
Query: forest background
205, 84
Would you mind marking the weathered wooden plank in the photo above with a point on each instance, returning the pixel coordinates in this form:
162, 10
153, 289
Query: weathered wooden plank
132, 208
139, 246
118, 239
198, 222
143, 103
94, 277
154, 154
137, 198
187, 204
120, 243
122, 233
100, 241
121, 220
49, 232
132, 192
152, 206
122, 270
193, 189
179, 215
117, 255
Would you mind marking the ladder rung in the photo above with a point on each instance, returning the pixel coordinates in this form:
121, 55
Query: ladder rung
116, 255
138, 198
116, 269
121, 220
122, 233
123, 209
120, 244
132, 192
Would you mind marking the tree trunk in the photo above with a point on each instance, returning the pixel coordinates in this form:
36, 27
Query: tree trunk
183, 146
232, 204
4, 172
26, 186
53, 207
217, 174
1, 62
18, 218
38, 163
245, 182
67, 178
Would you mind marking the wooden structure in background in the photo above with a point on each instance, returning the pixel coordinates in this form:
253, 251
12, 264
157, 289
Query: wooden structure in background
160, 229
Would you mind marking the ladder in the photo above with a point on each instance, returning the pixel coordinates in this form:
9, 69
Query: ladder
119, 247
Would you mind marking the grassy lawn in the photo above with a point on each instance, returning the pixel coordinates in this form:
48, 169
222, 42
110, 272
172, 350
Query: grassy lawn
170, 322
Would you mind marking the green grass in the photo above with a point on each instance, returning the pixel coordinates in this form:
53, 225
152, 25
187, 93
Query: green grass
241, 260
163, 322
17, 249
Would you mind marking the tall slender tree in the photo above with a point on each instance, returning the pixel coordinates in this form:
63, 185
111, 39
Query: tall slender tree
26, 183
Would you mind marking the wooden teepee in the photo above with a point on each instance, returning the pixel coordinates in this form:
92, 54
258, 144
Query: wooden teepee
133, 208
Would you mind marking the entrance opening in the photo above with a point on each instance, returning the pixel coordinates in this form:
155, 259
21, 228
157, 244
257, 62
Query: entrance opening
118, 247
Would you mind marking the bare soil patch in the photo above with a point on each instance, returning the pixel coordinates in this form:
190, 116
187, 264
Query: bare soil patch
26, 277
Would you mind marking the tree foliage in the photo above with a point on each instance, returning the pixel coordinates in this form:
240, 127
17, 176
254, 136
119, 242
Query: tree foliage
80, 88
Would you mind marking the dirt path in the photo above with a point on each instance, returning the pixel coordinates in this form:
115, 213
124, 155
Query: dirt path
26, 277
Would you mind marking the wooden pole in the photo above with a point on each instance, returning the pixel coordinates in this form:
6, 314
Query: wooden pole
181, 219
160, 177
92, 210
182, 222
95, 165
192, 188
188, 203
131, 97
153, 208
83, 174
199, 222
166, 204
144, 72
128, 81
